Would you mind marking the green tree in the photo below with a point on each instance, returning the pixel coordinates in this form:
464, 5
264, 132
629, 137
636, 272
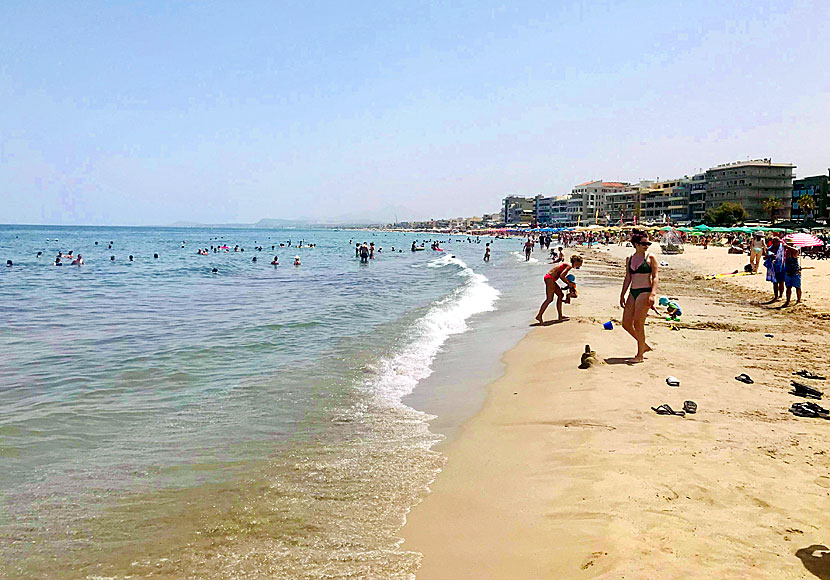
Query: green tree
807, 203
727, 214
772, 206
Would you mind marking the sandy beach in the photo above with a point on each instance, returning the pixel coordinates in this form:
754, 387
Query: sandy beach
568, 473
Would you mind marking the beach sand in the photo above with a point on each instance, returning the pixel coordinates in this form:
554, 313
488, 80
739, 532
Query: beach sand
568, 473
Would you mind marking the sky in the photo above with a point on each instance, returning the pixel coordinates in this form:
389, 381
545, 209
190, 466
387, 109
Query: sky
149, 113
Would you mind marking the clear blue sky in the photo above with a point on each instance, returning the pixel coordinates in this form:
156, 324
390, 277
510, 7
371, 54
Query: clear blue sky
149, 113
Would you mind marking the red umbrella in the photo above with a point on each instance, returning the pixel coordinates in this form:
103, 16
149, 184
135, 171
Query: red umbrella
803, 240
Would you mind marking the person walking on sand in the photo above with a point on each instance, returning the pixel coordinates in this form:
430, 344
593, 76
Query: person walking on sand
557, 273
774, 263
792, 273
756, 251
641, 278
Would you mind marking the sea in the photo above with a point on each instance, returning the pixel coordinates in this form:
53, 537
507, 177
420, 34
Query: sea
159, 419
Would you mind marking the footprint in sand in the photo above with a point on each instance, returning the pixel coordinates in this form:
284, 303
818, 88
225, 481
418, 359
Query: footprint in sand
590, 561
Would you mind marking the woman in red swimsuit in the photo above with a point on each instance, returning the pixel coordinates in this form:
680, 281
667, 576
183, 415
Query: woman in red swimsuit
641, 278
558, 272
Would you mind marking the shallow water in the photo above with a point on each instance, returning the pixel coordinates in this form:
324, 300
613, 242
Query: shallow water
159, 419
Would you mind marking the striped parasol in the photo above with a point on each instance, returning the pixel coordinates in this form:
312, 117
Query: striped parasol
803, 240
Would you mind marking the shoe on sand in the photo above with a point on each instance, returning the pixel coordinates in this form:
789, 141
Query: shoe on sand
809, 409
673, 381
802, 390
744, 378
690, 407
666, 410
808, 375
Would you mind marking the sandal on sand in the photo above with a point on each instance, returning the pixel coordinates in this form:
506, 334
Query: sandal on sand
808, 375
807, 391
673, 381
690, 407
744, 378
809, 410
666, 410
800, 411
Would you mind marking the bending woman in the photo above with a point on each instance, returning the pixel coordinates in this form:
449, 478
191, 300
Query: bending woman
641, 278
559, 272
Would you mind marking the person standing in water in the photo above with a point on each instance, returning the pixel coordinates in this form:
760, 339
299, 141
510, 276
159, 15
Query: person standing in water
557, 273
487, 252
528, 249
641, 278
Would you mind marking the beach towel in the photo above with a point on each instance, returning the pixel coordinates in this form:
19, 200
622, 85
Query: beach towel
776, 265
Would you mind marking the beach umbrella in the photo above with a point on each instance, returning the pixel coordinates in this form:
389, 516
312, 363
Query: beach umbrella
802, 240
702, 228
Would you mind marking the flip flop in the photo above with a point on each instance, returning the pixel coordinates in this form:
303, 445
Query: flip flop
666, 410
818, 410
690, 407
744, 378
799, 410
808, 375
673, 381
807, 391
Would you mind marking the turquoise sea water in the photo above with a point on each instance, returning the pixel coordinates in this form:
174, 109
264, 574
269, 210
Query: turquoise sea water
160, 420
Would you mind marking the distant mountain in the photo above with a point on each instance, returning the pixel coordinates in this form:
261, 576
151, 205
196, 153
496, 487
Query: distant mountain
384, 215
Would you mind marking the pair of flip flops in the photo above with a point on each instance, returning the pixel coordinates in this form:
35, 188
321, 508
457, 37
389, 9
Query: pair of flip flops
808, 375
688, 407
744, 378
806, 391
809, 409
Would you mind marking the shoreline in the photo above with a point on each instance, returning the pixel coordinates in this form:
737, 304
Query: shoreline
568, 473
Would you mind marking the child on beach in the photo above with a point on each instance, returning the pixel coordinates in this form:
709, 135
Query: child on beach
568, 284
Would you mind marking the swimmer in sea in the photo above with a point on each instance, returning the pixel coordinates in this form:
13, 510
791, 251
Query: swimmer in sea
275, 261
296, 260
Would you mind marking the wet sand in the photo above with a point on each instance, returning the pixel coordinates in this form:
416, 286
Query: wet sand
568, 473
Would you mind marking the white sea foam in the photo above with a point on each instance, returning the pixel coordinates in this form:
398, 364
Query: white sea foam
398, 374
521, 258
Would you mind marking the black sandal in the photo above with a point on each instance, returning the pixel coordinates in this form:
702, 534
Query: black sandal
808, 375
690, 407
802, 390
810, 410
666, 410
744, 378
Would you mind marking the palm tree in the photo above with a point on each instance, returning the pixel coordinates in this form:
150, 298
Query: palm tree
772, 206
807, 204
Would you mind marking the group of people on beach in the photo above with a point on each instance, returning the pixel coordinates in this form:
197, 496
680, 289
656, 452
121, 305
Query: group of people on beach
783, 269
637, 297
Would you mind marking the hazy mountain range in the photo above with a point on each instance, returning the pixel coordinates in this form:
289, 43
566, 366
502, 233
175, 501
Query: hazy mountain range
384, 216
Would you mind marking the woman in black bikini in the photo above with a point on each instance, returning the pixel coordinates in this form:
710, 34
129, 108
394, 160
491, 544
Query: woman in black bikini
641, 278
